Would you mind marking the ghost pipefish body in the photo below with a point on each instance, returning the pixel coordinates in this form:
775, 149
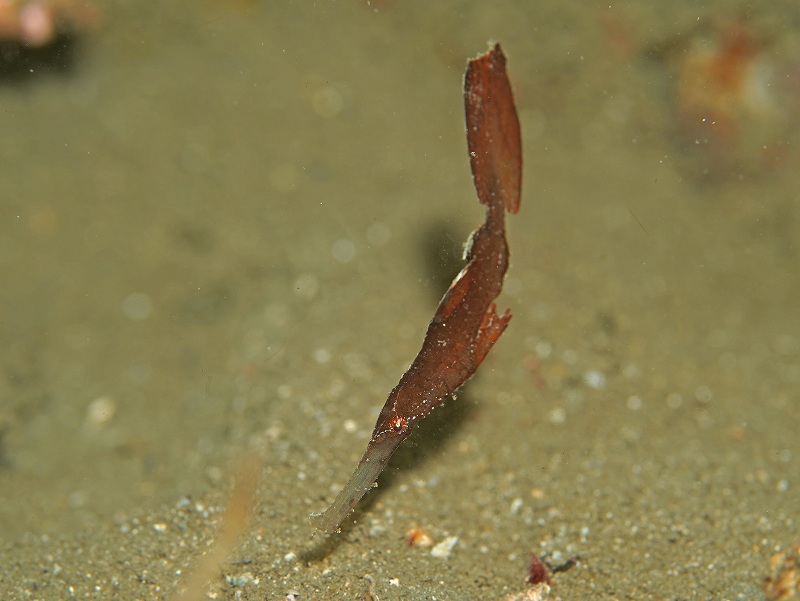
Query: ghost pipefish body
466, 324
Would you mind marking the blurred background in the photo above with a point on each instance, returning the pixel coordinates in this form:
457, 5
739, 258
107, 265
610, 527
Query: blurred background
226, 225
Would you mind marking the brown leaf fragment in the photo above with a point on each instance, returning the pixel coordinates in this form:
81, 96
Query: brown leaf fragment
537, 571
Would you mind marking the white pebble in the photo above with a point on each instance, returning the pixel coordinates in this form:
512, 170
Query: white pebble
100, 411
557, 416
241, 580
594, 379
442, 550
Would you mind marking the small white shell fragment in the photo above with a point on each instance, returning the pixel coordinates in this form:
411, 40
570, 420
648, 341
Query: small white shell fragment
539, 592
594, 379
100, 412
241, 580
442, 549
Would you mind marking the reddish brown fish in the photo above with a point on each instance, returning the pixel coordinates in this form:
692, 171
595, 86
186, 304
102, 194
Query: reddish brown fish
466, 324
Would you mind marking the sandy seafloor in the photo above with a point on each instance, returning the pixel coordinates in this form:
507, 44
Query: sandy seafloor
225, 228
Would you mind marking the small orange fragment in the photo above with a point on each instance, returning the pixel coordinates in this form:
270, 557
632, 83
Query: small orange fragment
417, 537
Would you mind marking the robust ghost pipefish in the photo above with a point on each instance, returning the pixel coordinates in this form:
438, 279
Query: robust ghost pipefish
466, 324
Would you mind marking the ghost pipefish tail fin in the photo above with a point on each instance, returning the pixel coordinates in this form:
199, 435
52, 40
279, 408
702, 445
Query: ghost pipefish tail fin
493, 135
466, 324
